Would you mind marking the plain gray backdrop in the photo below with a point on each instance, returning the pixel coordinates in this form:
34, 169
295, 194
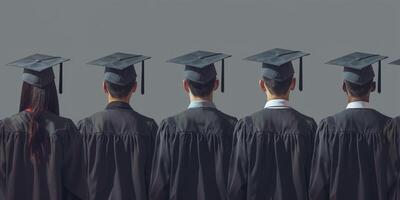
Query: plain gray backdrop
84, 30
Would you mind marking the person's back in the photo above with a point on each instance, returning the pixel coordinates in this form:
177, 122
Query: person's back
119, 149
272, 155
357, 163
199, 146
272, 148
351, 159
192, 149
52, 178
118, 141
41, 153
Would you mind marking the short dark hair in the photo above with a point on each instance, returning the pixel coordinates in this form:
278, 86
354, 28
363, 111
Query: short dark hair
278, 87
201, 89
119, 91
358, 90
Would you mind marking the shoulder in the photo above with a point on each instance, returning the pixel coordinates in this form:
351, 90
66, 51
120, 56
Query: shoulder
245, 124
395, 120
307, 119
146, 120
228, 118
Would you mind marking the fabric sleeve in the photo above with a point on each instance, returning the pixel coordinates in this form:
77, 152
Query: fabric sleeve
160, 171
320, 164
74, 173
153, 127
2, 161
83, 129
238, 166
392, 132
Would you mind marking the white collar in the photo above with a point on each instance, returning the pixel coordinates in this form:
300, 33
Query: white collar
277, 104
201, 104
358, 104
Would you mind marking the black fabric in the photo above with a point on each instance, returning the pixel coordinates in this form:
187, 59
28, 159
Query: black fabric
118, 144
351, 157
271, 156
38, 79
392, 133
61, 177
192, 156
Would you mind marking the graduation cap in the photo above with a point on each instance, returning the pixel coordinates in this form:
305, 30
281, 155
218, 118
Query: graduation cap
119, 68
38, 69
199, 66
277, 64
358, 67
396, 62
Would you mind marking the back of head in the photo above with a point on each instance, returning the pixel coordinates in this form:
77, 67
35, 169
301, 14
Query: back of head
37, 101
278, 88
359, 91
201, 89
119, 91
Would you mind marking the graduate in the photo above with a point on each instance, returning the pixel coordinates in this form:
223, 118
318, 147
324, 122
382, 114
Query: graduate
351, 159
118, 141
193, 147
392, 133
41, 155
272, 148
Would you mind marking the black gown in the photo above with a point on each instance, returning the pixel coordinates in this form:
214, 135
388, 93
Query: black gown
59, 177
271, 156
118, 145
191, 157
351, 159
392, 133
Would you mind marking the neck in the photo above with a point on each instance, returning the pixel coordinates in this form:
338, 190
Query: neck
112, 99
351, 99
194, 98
272, 97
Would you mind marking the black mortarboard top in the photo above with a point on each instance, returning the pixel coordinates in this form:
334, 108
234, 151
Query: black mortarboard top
396, 62
358, 67
119, 68
199, 66
277, 64
38, 69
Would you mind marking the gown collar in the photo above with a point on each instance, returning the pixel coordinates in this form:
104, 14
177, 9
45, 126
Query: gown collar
201, 104
118, 105
358, 104
277, 104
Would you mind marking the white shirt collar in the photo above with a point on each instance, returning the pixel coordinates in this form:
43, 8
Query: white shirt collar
201, 104
358, 104
277, 104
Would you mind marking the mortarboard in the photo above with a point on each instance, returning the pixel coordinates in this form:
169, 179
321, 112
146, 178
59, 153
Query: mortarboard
277, 64
396, 62
358, 67
38, 69
119, 68
199, 66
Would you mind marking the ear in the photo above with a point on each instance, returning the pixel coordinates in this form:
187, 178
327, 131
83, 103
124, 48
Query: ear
293, 84
134, 88
373, 86
216, 84
261, 83
344, 88
105, 89
185, 84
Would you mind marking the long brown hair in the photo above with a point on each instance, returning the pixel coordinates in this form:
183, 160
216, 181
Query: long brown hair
38, 101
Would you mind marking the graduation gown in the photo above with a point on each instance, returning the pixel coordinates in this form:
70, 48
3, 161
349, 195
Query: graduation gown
351, 159
118, 144
271, 156
192, 155
59, 177
392, 133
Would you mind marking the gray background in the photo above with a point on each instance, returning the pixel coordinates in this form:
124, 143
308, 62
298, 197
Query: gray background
87, 29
